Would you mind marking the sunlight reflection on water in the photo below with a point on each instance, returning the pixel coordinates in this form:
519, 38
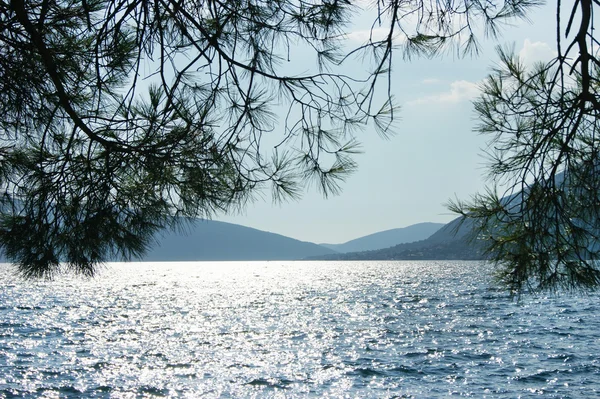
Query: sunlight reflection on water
293, 329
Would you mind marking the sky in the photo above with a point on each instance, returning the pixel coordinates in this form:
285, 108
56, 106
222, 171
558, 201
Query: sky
433, 157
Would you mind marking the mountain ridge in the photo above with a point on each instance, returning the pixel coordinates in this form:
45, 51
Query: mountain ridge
211, 240
388, 238
451, 242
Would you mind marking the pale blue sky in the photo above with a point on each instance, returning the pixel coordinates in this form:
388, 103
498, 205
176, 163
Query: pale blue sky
434, 156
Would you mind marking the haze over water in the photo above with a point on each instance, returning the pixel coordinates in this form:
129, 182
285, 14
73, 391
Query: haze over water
293, 330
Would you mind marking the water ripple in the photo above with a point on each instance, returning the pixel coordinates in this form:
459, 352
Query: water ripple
293, 329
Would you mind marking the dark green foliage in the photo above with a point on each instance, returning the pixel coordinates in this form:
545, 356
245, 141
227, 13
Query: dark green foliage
543, 231
118, 117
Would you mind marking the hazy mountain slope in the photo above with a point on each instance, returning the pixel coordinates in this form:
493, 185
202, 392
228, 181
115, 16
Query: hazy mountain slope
450, 243
388, 238
212, 240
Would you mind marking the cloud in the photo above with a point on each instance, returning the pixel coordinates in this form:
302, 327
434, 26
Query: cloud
460, 90
533, 52
375, 34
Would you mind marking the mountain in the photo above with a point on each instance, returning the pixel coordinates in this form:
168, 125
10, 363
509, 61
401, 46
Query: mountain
451, 242
212, 240
387, 238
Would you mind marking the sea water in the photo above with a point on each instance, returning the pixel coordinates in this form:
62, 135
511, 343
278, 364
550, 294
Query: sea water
293, 330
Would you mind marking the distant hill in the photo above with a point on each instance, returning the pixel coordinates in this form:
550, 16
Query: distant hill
448, 243
213, 240
388, 238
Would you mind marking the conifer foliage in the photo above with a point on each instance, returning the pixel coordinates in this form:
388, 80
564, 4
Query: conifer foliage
120, 117
540, 220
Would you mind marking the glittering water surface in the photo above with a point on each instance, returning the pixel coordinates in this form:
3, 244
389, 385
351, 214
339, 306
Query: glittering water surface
293, 329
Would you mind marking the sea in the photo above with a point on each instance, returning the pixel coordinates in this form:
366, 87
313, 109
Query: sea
393, 329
